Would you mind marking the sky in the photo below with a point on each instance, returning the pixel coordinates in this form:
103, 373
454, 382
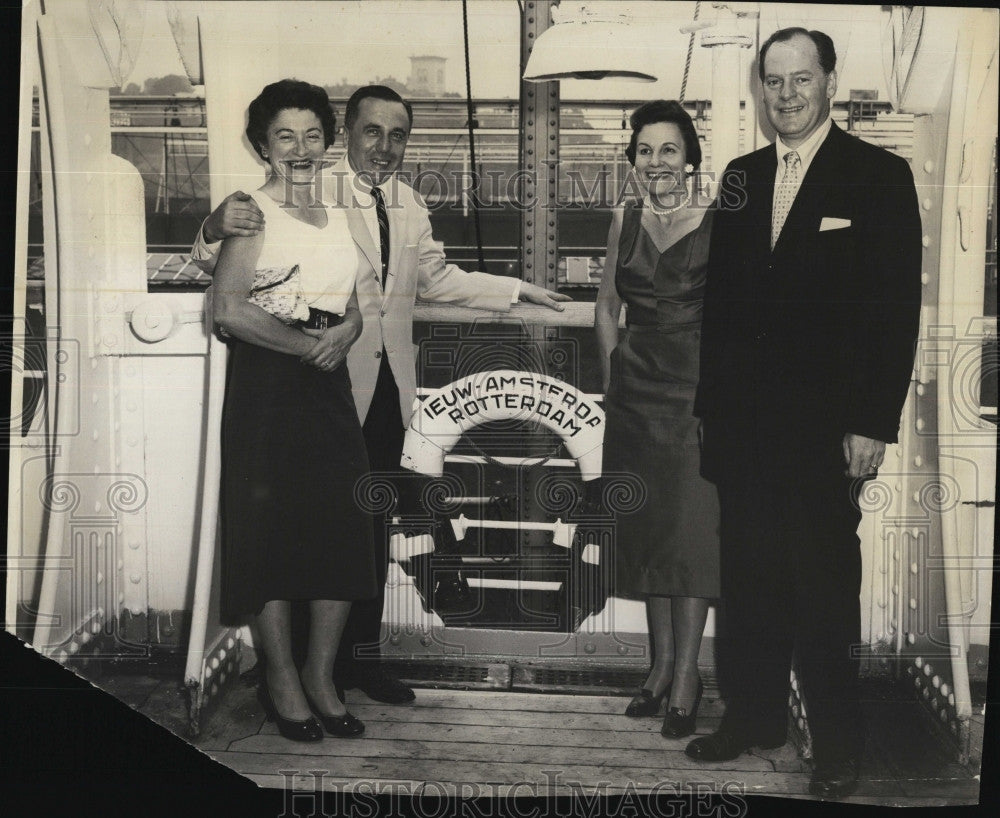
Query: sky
329, 42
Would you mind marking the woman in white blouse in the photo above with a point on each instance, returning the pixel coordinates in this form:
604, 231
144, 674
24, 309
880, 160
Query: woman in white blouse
292, 443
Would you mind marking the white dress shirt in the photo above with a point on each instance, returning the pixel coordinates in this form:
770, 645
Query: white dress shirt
806, 151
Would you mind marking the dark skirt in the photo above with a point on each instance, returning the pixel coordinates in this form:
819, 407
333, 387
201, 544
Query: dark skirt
667, 535
292, 452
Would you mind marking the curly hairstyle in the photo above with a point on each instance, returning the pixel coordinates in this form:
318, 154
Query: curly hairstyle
662, 110
282, 95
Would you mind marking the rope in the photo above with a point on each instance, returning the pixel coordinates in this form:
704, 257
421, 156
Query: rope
690, 51
473, 196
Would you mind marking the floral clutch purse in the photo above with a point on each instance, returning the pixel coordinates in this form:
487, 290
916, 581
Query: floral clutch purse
278, 290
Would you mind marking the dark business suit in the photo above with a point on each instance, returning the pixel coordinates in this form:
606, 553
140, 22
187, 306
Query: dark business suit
801, 345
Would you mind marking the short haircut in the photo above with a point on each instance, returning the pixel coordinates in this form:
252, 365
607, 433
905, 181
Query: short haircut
281, 96
373, 92
661, 110
824, 45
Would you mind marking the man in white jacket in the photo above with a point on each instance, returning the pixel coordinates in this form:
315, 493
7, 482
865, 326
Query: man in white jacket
399, 261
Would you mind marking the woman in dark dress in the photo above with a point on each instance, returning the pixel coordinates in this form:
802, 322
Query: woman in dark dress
292, 443
666, 551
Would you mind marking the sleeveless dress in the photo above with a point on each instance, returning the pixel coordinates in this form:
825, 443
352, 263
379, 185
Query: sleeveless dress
668, 544
292, 447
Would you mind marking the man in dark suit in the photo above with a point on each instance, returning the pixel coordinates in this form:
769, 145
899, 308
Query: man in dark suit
811, 314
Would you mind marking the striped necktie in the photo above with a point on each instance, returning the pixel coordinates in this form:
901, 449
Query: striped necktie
383, 231
785, 195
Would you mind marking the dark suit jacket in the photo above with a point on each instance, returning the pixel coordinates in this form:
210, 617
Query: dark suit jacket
816, 338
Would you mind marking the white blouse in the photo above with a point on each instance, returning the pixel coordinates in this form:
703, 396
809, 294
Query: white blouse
327, 256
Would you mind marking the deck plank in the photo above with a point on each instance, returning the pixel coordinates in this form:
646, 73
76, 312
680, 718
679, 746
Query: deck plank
347, 773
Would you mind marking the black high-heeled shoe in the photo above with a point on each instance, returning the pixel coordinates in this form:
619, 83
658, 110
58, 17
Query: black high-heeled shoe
644, 703
678, 723
305, 730
346, 726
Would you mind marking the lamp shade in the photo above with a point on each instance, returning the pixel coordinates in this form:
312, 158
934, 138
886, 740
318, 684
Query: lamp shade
591, 47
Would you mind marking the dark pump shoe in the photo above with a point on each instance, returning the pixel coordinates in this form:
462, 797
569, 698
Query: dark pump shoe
346, 726
678, 723
834, 779
306, 730
644, 703
384, 689
724, 746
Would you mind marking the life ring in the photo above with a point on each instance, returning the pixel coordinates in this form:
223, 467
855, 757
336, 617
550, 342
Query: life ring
504, 394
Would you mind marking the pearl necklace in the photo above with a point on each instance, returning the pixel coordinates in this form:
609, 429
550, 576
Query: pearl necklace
666, 211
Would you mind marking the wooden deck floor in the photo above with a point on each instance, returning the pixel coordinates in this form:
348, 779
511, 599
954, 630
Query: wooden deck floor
497, 743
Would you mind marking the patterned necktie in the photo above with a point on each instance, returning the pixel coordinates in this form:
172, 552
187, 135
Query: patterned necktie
383, 231
785, 195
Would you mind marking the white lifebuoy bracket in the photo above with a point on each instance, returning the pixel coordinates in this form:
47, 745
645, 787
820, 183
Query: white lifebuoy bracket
504, 394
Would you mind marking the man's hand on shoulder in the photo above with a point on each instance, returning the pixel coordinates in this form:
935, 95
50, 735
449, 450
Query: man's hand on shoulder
539, 295
236, 215
863, 455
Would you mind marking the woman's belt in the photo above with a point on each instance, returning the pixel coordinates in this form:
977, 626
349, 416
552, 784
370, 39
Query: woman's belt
320, 319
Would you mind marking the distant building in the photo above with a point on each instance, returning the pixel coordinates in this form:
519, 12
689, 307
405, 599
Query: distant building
426, 76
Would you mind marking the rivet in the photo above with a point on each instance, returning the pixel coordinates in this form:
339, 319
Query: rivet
927, 204
895, 554
589, 647
879, 636
892, 625
936, 681
951, 699
135, 610
121, 564
208, 672
214, 662
100, 578
927, 693
910, 639
61, 657
944, 714
928, 166
394, 639
135, 578
230, 643
916, 497
918, 461
97, 505
795, 711
895, 590
920, 424
222, 655
926, 242
425, 641
94, 435
914, 568
791, 700
795, 685
121, 597
899, 452
100, 613
802, 723
899, 486
944, 689
913, 604
72, 648
916, 683
928, 669
915, 533
881, 602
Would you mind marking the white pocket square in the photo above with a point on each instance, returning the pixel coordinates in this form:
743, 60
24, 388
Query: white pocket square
831, 223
